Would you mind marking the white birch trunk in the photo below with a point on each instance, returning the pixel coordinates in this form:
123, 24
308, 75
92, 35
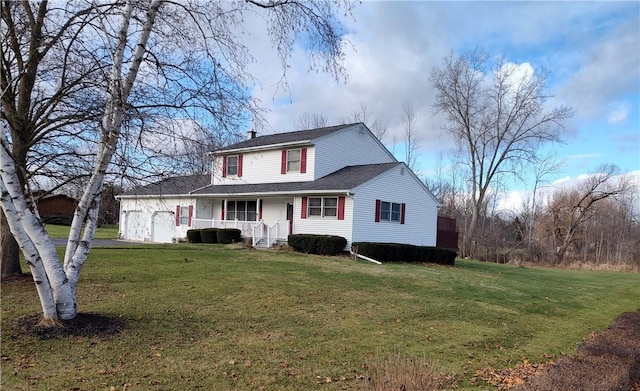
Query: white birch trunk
52, 284
56, 283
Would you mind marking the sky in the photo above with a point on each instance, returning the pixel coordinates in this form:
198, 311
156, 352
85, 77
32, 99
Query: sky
591, 49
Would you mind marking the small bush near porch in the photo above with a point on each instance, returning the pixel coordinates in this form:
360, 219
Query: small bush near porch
317, 244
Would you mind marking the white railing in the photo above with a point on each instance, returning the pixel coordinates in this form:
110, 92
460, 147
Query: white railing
258, 233
279, 230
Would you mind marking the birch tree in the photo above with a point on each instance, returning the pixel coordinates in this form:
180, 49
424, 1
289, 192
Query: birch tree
158, 58
498, 117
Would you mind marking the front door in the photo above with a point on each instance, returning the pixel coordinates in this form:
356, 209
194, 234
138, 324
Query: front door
290, 216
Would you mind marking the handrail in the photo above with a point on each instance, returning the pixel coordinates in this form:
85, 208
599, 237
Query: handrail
255, 236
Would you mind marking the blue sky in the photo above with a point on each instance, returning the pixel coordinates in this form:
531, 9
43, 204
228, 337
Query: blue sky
592, 50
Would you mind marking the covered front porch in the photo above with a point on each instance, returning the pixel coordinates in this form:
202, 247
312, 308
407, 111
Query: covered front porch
267, 221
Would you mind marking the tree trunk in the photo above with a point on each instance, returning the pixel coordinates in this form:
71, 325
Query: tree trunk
9, 250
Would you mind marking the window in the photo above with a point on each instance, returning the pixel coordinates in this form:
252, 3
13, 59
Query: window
322, 206
390, 211
293, 160
184, 215
232, 165
242, 210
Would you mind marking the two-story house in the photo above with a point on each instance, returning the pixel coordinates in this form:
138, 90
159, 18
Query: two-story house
337, 180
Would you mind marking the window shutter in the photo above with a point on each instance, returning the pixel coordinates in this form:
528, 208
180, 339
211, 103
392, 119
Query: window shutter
303, 210
378, 202
283, 163
177, 215
239, 165
340, 208
190, 215
224, 166
259, 210
222, 215
402, 209
303, 160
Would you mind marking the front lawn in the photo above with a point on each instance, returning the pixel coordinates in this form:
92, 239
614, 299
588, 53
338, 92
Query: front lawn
216, 318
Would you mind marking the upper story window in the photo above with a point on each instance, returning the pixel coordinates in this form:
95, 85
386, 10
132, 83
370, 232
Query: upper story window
232, 165
390, 211
294, 161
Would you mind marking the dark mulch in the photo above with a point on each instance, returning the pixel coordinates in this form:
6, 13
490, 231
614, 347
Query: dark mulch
83, 325
608, 361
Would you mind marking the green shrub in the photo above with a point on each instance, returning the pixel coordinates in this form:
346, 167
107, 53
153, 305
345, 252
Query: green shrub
194, 236
209, 235
317, 244
396, 252
229, 235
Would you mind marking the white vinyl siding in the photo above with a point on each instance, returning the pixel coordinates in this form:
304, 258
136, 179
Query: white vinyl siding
395, 186
347, 147
264, 167
320, 226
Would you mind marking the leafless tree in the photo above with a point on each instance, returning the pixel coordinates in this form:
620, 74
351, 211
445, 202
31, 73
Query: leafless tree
153, 60
311, 121
363, 114
498, 118
570, 210
410, 135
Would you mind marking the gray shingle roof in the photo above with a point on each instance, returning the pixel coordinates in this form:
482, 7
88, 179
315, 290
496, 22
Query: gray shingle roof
282, 138
344, 179
172, 186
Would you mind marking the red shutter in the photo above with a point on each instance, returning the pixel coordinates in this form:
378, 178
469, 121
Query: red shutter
340, 208
224, 166
283, 163
177, 215
303, 209
222, 218
239, 165
259, 210
303, 160
402, 208
378, 211
190, 214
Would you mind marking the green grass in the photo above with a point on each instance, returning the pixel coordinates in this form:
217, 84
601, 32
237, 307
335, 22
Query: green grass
240, 319
62, 231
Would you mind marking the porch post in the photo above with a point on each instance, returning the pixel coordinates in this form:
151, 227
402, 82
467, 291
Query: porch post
259, 209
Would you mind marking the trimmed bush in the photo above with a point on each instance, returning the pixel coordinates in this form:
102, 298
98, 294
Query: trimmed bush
194, 236
209, 235
229, 235
317, 244
396, 252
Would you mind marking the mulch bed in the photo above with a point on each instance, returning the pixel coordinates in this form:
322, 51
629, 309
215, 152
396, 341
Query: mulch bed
83, 325
607, 361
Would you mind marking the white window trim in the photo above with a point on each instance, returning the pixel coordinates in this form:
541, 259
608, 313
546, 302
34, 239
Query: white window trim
323, 208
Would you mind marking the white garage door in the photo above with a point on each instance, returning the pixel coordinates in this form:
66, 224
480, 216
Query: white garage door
134, 225
162, 227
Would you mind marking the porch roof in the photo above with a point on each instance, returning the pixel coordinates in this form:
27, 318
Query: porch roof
344, 179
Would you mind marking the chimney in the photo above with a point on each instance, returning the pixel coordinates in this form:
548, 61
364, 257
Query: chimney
251, 134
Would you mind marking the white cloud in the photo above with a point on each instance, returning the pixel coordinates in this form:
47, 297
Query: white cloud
618, 112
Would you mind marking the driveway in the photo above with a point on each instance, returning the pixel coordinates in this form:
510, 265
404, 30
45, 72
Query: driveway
60, 242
